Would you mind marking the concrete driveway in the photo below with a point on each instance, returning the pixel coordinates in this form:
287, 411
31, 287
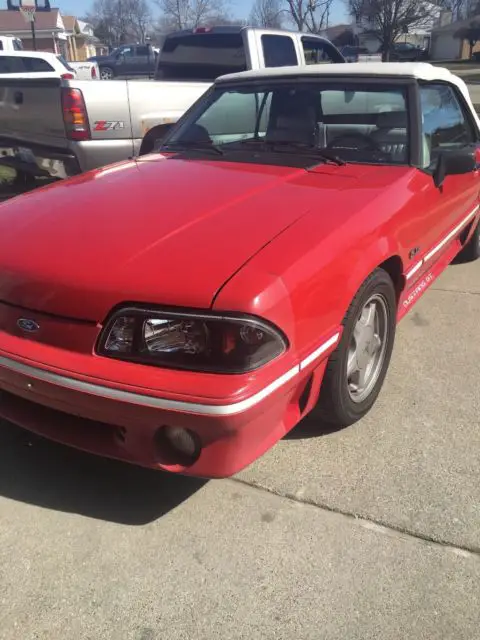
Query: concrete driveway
367, 533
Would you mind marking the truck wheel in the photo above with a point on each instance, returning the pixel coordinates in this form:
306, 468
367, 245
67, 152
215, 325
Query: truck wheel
106, 73
357, 368
471, 251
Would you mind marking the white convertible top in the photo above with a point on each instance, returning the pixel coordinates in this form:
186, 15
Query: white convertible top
417, 70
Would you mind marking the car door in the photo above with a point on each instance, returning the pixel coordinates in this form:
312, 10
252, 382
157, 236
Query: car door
141, 64
446, 124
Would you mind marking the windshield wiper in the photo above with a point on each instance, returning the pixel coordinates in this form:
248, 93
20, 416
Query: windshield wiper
288, 146
194, 146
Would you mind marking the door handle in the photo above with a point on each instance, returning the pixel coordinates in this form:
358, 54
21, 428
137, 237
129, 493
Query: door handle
18, 97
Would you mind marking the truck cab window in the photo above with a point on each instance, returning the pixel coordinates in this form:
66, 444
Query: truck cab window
201, 57
125, 51
318, 52
142, 51
279, 51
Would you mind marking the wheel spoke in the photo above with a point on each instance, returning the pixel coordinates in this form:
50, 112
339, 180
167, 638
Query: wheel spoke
362, 378
352, 365
376, 344
369, 314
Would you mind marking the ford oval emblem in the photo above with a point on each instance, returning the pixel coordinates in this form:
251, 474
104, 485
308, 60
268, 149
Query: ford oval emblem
28, 325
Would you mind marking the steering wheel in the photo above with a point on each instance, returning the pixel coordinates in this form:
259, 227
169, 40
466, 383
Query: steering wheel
356, 141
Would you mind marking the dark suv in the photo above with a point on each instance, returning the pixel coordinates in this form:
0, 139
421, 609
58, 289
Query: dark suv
406, 52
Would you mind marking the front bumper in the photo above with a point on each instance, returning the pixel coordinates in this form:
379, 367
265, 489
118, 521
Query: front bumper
112, 422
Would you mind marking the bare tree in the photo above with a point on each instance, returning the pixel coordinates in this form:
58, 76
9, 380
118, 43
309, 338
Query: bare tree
188, 14
388, 19
309, 15
140, 18
117, 21
267, 14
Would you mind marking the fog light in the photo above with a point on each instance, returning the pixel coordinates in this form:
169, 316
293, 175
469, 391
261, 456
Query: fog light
176, 446
181, 440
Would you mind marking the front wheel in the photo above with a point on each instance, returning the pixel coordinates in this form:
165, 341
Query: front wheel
357, 368
106, 73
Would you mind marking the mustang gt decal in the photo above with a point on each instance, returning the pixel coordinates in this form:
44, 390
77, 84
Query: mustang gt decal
419, 289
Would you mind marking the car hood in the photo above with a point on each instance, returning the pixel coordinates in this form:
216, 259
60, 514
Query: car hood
158, 231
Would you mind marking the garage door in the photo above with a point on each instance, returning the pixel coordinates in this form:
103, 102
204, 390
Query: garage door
445, 47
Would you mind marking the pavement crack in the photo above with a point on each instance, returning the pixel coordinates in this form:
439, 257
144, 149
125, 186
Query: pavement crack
462, 292
372, 524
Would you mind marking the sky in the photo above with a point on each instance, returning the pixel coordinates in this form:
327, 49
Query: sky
239, 8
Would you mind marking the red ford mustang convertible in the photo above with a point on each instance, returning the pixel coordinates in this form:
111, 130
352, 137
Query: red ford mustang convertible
184, 310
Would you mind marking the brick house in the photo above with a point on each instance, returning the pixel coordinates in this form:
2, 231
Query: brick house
51, 34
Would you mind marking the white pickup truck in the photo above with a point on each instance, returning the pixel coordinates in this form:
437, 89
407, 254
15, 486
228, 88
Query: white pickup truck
67, 127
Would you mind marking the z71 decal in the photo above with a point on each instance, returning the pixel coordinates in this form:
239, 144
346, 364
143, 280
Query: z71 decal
108, 125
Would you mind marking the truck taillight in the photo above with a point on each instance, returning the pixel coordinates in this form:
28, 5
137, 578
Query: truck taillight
68, 76
75, 114
94, 73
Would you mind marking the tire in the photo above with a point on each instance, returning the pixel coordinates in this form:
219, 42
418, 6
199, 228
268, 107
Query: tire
339, 403
471, 251
106, 73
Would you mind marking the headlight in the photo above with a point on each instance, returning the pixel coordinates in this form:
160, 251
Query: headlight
197, 342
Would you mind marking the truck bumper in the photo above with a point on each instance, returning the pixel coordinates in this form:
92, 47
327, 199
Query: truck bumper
77, 158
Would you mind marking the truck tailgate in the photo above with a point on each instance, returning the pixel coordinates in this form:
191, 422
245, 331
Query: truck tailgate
31, 111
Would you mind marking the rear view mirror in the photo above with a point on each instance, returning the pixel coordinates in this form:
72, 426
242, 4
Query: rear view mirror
454, 162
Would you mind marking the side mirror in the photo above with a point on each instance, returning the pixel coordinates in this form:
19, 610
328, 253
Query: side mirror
454, 162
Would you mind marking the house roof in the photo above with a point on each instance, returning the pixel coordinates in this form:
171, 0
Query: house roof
69, 22
455, 26
13, 21
334, 31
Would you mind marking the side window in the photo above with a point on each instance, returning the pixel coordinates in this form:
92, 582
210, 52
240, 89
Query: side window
279, 51
141, 51
126, 51
234, 116
5, 65
445, 124
1, 46
317, 52
37, 65
362, 103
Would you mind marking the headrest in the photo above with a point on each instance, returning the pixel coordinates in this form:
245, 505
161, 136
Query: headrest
392, 120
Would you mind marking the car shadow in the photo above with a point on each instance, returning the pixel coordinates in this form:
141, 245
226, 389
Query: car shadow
311, 427
43, 473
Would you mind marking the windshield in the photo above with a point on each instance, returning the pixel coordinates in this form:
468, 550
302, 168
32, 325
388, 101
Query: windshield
356, 122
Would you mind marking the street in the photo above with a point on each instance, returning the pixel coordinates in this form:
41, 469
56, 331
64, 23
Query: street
369, 532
